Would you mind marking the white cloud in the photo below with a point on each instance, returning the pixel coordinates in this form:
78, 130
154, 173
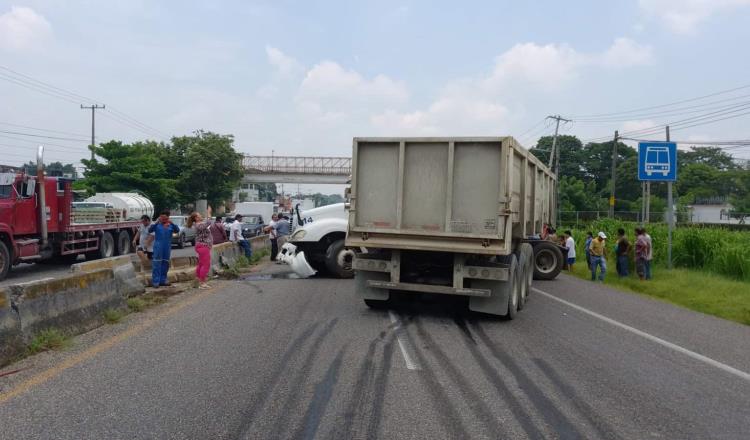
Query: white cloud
637, 125
626, 52
285, 64
548, 65
22, 28
683, 16
480, 105
329, 89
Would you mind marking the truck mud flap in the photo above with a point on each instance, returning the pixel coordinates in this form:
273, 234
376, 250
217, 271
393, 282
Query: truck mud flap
363, 289
497, 302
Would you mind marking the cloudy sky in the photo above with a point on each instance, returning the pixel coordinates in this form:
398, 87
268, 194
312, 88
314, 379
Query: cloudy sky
303, 78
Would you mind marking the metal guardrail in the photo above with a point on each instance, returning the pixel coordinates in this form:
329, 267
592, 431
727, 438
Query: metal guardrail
336, 166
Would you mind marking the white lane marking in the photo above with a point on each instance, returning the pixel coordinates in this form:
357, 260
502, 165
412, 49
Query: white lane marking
697, 356
397, 328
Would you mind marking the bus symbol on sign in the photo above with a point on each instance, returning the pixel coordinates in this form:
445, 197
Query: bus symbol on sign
657, 161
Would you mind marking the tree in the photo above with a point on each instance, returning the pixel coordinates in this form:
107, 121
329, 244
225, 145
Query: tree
130, 167
267, 192
57, 169
209, 166
714, 157
577, 195
570, 152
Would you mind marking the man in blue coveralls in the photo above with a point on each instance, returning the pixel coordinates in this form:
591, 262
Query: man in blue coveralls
162, 230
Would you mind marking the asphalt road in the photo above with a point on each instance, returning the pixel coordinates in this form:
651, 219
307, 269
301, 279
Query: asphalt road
285, 358
29, 272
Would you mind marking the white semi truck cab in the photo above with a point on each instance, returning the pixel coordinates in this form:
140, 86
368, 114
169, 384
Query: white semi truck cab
318, 239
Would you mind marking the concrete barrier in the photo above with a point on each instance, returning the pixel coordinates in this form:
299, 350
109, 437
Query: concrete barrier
72, 304
11, 339
124, 269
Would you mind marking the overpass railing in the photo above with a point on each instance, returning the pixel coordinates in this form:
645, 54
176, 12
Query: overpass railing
337, 166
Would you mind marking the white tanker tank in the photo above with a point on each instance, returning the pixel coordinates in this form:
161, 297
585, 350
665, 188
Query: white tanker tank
132, 205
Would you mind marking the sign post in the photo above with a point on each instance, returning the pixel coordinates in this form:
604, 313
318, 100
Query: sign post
657, 162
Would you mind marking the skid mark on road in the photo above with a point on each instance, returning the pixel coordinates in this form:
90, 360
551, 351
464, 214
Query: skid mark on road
249, 415
449, 416
402, 342
321, 398
282, 419
504, 393
483, 412
597, 422
560, 424
697, 356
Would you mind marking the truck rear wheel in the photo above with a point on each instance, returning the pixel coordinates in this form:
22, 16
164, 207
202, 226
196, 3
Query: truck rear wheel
4, 260
106, 247
339, 260
123, 243
548, 260
525, 255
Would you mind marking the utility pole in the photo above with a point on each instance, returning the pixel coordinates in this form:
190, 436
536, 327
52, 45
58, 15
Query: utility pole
614, 176
670, 217
556, 152
93, 132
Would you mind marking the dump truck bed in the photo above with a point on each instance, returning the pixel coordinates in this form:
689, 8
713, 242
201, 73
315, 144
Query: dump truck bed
471, 195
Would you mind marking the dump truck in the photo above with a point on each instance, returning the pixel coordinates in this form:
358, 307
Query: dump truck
39, 222
450, 215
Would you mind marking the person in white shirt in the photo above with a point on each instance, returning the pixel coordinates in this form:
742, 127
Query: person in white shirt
571, 245
650, 254
272, 231
235, 236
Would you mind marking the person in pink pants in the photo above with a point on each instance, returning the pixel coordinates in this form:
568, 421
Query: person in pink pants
203, 244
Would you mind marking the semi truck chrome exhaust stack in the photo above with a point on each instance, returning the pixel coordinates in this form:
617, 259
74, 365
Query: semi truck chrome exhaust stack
42, 195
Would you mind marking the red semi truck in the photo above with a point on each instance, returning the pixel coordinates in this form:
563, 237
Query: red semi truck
38, 223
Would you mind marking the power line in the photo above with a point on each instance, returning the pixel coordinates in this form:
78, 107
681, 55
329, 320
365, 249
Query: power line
42, 129
36, 142
673, 112
20, 133
722, 92
67, 95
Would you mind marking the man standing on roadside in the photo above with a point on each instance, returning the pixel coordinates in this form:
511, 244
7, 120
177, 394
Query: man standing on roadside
621, 251
586, 246
641, 253
218, 234
143, 246
650, 256
235, 235
162, 230
273, 232
598, 249
571, 245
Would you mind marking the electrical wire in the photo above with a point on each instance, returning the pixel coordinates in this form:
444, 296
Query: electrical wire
722, 92
75, 98
58, 138
44, 129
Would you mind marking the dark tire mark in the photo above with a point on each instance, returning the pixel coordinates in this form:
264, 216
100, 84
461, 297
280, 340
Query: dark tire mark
475, 401
321, 397
282, 420
546, 407
378, 388
248, 415
449, 418
357, 401
506, 396
598, 423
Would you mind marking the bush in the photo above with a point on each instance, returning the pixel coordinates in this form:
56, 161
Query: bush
733, 261
113, 316
49, 339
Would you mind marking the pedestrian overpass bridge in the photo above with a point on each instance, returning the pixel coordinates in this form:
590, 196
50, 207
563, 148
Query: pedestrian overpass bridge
296, 169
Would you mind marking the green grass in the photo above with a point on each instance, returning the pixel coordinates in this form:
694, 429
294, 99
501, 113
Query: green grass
696, 290
136, 304
258, 255
113, 316
49, 339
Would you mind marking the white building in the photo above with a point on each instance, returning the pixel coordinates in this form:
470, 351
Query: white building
711, 211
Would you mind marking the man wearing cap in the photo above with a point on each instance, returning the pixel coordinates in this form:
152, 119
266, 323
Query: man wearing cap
235, 235
598, 250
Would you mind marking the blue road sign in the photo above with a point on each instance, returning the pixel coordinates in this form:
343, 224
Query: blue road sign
657, 161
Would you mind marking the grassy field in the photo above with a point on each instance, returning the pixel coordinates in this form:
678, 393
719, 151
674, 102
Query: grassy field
697, 290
